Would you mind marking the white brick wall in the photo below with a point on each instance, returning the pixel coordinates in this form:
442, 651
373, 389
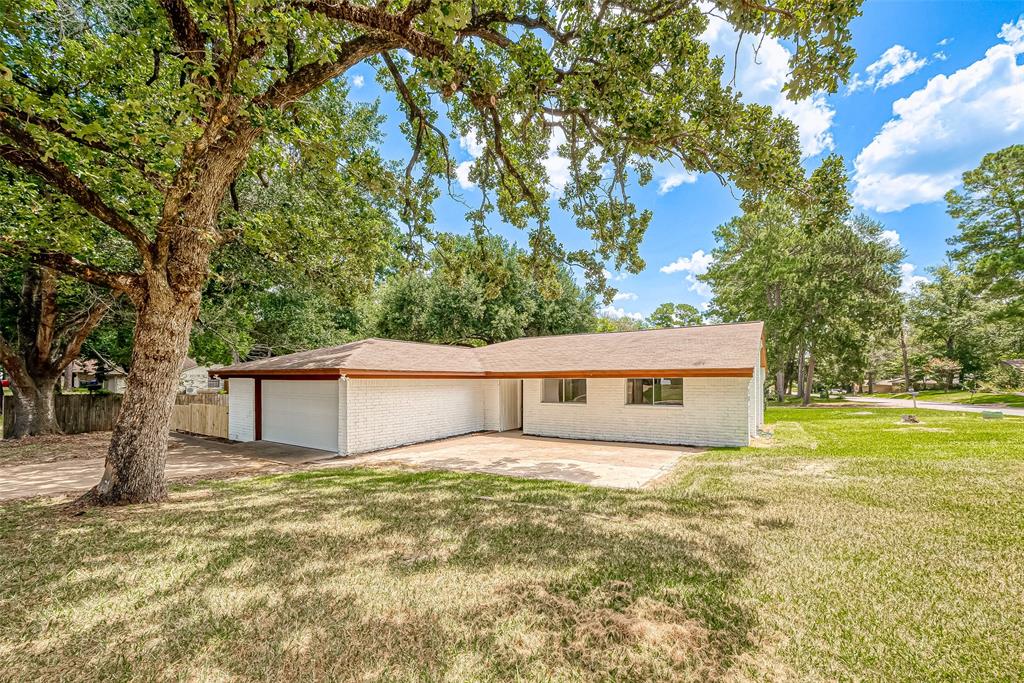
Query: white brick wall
391, 412
343, 416
492, 405
715, 413
241, 409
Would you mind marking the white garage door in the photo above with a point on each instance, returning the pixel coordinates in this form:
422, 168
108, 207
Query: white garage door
300, 412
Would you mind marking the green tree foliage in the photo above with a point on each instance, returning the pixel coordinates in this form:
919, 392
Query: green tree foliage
952, 318
823, 280
990, 214
674, 315
477, 291
605, 324
948, 320
320, 242
141, 115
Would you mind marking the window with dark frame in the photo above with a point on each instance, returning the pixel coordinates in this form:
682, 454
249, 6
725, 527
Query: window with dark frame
654, 391
564, 391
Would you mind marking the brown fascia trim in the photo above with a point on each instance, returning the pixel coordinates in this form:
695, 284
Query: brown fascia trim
322, 374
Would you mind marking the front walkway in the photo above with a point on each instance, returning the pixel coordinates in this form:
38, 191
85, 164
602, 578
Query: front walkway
933, 405
598, 463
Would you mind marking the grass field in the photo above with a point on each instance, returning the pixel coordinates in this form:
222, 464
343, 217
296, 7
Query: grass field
847, 547
942, 396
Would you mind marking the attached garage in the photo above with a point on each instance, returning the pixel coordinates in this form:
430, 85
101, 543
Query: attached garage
695, 386
301, 412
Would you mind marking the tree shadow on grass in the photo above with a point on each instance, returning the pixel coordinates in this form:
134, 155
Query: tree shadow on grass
379, 574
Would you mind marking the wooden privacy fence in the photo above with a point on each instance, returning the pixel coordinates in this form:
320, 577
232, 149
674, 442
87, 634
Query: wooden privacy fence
76, 413
205, 414
201, 418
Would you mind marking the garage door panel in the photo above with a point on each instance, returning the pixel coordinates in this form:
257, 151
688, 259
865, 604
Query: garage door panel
301, 412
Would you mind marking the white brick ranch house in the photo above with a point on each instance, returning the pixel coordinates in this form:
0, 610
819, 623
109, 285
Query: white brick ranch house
695, 386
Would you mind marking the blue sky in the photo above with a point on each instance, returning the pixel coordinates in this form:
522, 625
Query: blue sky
937, 85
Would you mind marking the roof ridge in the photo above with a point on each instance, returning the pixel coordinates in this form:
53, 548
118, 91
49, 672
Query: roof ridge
422, 343
650, 329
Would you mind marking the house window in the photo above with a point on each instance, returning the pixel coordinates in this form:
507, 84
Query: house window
654, 391
214, 383
565, 391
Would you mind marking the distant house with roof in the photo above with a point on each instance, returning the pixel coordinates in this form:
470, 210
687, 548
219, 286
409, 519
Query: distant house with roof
195, 378
89, 374
700, 386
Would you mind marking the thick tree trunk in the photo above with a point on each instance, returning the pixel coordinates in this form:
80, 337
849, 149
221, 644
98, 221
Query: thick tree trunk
906, 361
34, 412
800, 373
809, 380
134, 468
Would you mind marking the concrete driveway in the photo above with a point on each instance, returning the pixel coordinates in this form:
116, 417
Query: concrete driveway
598, 463
188, 457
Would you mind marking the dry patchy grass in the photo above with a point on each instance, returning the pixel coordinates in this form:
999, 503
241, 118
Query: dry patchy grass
846, 552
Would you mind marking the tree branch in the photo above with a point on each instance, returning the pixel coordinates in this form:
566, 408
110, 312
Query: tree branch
486, 109
85, 325
308, 77
28, 155
379, 21
484, 21
13, 363
185, 29
54, 126
129, 283
415, 112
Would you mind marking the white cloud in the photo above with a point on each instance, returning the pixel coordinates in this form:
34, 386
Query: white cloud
943, 129
625, 296
891, 236
939, 56
471, 144
695, 264
614, 277
893, 66
670, 177
909, 281
609, 311
944, 42
761, 71
475, 148
556, 166
358, 81
462, 175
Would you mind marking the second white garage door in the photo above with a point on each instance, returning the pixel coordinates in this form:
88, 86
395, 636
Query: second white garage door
301, 412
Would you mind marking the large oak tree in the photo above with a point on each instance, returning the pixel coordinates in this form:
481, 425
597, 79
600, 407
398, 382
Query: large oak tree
143, 113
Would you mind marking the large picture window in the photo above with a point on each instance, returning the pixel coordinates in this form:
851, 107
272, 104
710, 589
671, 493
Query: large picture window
654, 391
565, 391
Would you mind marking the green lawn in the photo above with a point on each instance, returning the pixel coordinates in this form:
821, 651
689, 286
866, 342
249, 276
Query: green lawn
942, 396
849, 547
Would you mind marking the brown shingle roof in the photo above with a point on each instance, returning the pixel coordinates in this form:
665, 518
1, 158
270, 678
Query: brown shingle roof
709, 349
385, 355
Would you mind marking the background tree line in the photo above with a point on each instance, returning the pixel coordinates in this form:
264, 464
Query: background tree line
826, 282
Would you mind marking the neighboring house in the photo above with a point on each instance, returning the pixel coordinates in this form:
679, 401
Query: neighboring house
888, 386
700, 386
1015, 363
195, 378
83, 374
